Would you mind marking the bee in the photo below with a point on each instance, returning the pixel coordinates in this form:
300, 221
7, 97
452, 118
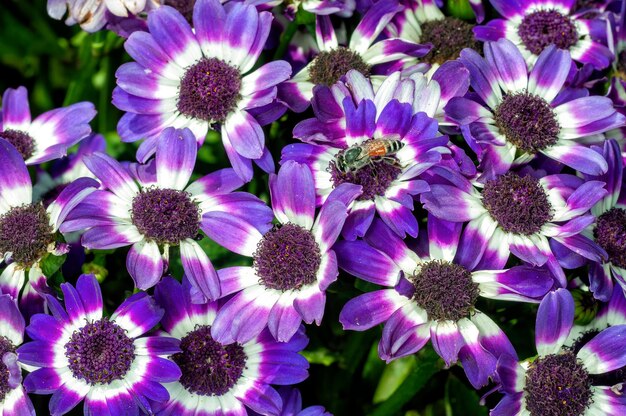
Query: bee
367, 153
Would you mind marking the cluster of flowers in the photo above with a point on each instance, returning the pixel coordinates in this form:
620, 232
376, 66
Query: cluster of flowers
496, 139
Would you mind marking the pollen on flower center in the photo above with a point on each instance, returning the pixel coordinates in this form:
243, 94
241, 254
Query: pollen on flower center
557, 385
329, 66
165, 215
449, 37
208, 367
22, 141
287, 258
5, 346
100, 352
527, 121
444, 290
610, 234
519, 204
542, 28
25, 232
209, 90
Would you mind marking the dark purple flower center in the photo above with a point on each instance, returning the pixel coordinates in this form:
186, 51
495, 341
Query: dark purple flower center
375, 177
22, 141
444, 290
527, 121
610, 234
557, 385
26, 232
184, 7
209, 368
449, 37
209, 90
5, 346
586, 306
165, 215
543, 28
287, 258
519, 204
100, 352
331, 65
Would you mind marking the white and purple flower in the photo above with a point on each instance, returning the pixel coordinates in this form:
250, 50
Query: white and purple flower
229, 378
80, 354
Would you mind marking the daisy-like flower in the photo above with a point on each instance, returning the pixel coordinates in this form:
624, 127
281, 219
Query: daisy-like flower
28, 230
522, 115
398, 116
292, 404
575, 381
519, 214
93, 15
534, 26
223, 378
13, 398
201, 77
157, 209
81, 354
432, 296
293, 263
50, 134
363, 54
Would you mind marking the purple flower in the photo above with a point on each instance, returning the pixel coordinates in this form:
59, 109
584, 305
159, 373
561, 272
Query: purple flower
363, 54
195, 79
81, 354
293, 262
155, 208
93, 15
520, 115
13, 398
223, 378
534, 26
398, 115
49, 135
573, 381
519, 214
431, 295
28, 230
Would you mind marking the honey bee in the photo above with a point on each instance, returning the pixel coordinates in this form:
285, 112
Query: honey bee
366, 153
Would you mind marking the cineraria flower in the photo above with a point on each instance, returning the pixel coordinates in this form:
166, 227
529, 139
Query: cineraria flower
432, 295
157, 209
343, 8
363, 54
293, 263
49, 135
13, 398
197, 78
423, 22
93, 15
528, 114
392, 119
519, 214
577, 381
534, 26
223, 378
292, 404
80, 354
28, 230
617, 89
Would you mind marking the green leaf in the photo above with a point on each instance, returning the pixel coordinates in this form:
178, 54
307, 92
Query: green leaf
427, 365
461, 399
460, 9
320, 356
393, 376
51, 264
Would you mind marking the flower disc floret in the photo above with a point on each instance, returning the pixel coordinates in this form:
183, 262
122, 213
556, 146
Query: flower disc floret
449, 37
26, 232
22, 141
209, 368
519, 204
610, 234
444, 290
557, 385
165, 215
209, 90
542, 28
287, 258
527, 121
5, 346
331, 65
100, 352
